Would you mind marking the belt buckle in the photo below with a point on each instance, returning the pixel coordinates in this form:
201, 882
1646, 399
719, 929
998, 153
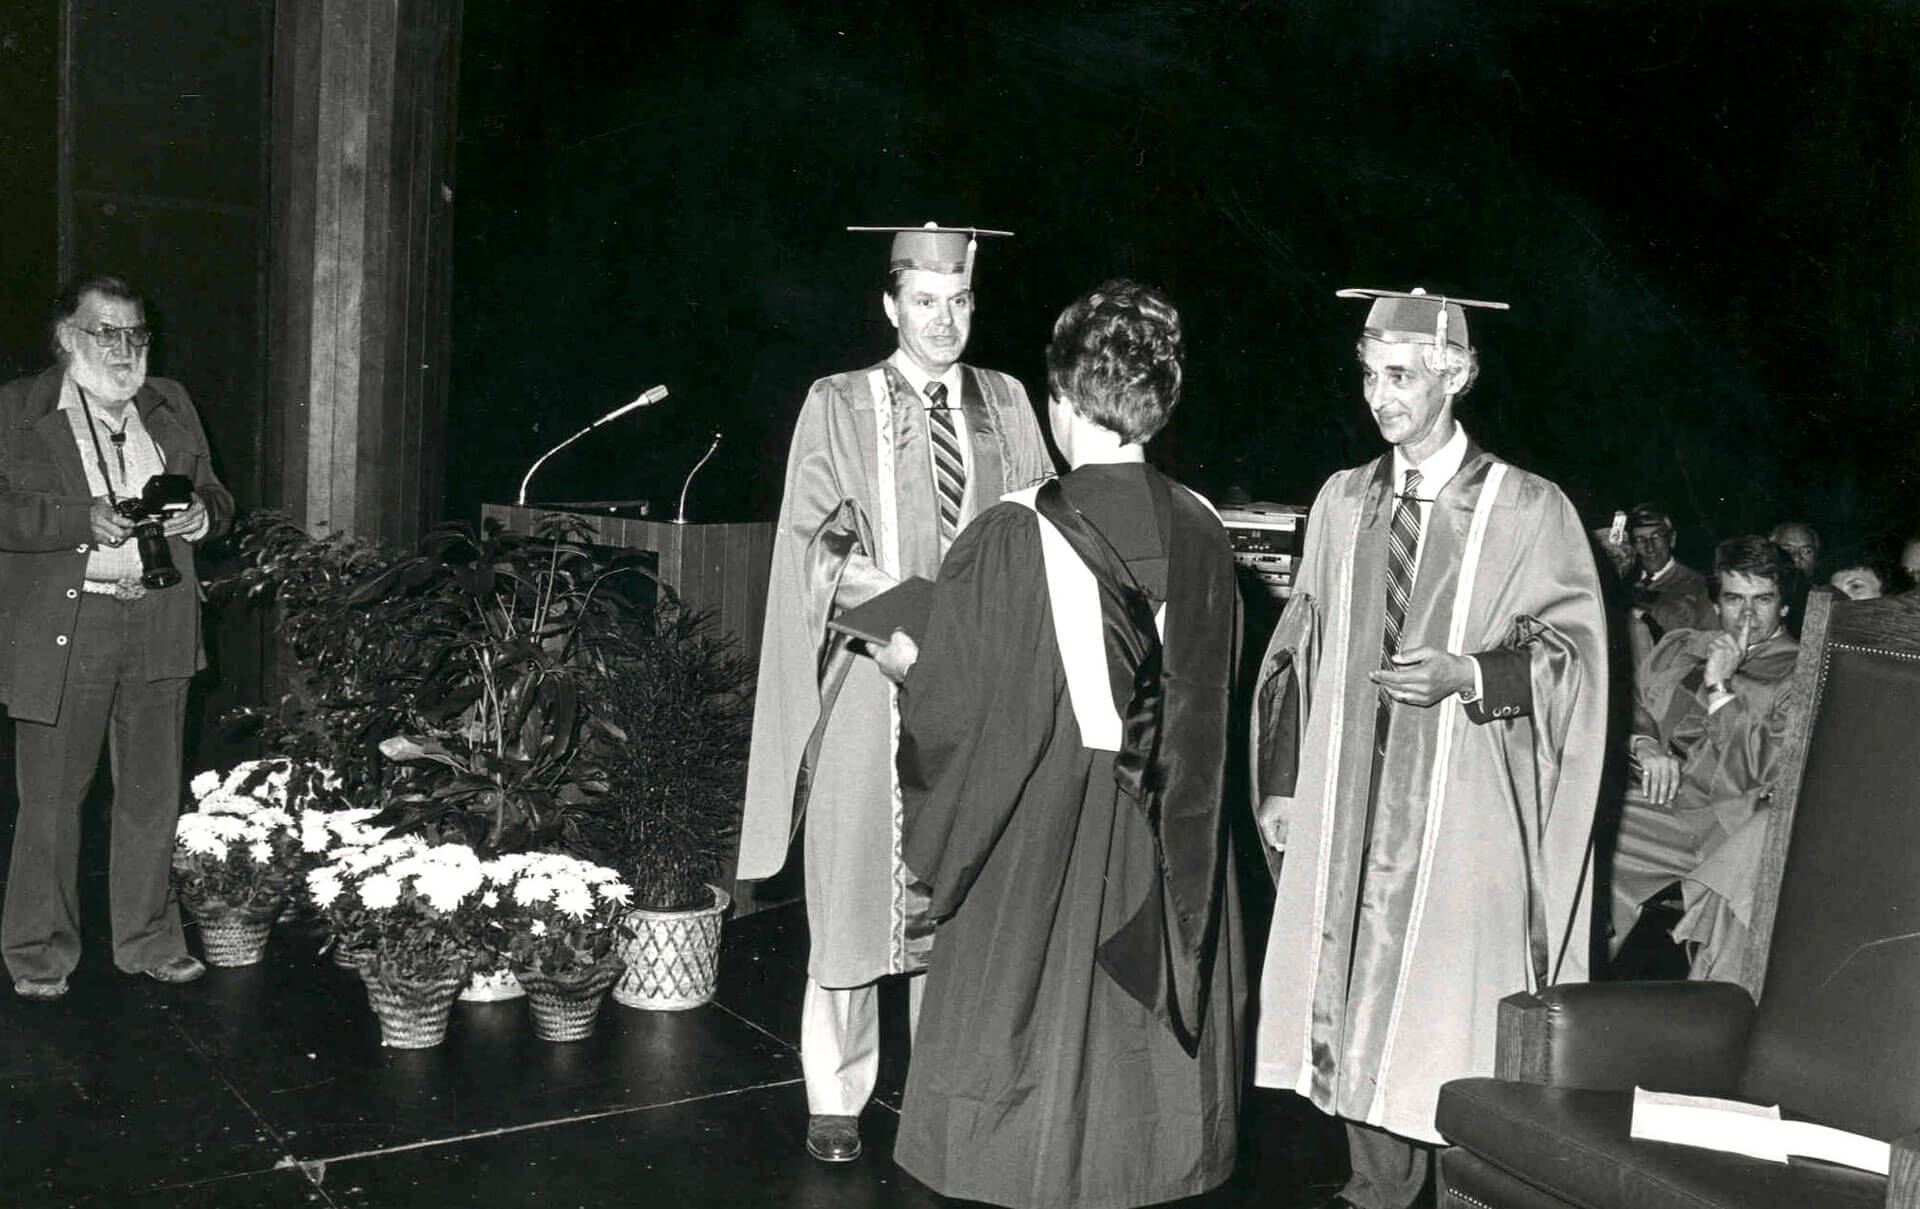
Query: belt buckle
124, 590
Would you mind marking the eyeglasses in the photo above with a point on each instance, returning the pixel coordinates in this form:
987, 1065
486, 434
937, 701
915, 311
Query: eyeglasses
109, 337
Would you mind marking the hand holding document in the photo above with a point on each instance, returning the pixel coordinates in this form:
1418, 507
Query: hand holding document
889, 624
1750, 1129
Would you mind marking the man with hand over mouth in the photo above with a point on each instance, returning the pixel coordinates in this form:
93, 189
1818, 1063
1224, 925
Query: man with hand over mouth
1709, 727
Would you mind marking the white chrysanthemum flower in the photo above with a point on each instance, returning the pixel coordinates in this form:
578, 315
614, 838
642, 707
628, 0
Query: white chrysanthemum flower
261, 851
447, 886
314, 835
531, 890
573, 899
539, 927
490, 899
323, 887
192, 834
204, 784
615, 892
380, 891
272, 816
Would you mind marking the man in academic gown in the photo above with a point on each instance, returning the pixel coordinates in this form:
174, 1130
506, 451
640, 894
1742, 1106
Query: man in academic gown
1063, 765
1429, 728
888, 463
1710, 728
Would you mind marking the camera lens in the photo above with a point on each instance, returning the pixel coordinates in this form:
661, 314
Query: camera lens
156, 560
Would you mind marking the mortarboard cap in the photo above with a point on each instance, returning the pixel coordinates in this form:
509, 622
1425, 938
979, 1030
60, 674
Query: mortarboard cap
935, 248
1417, 317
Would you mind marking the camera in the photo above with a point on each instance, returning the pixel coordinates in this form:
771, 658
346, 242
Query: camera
164, 495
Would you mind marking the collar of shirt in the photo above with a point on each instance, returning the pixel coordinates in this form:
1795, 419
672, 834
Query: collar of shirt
141, 450
918, 379
1664, 571
1437, 471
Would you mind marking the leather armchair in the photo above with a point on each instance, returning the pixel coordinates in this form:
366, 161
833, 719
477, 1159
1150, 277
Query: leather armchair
1835, 1034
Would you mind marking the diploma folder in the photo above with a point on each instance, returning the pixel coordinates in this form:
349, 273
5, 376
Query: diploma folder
904, 606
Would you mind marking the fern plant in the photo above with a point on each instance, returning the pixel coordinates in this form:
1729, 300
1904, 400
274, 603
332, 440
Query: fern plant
681, 701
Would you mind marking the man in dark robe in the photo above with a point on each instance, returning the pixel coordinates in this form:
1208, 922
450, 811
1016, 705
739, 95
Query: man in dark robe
1062, 761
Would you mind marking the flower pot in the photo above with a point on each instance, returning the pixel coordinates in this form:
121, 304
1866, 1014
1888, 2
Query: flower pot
565, 1008
492, 986
231, 937
412, 1012
673, 957
347, 959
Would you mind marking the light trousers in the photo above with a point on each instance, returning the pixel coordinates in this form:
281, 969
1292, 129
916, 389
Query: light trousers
840, 1043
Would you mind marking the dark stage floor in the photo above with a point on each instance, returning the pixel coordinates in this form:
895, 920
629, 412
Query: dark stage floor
267, 1086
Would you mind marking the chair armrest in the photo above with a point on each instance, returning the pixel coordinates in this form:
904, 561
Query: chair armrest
1614, 1036
1903, 1174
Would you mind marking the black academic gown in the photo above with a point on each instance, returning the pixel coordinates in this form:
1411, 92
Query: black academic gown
1036, 1079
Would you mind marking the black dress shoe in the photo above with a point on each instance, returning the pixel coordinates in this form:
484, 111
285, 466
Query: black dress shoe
833, 1139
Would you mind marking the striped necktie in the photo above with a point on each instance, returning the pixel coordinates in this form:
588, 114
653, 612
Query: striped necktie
949, 464
1403, 540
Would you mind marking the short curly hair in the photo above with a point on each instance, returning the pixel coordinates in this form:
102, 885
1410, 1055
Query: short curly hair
1440, 361
1758, 558
1115, 358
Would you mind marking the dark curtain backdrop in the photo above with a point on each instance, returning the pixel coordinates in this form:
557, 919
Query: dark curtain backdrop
1704, 216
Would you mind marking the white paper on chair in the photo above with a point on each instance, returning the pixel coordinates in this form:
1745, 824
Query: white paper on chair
1751, 1129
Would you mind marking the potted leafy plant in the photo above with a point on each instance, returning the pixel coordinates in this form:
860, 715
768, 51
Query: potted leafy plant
503, 748
555, 921
346, 687
680, 700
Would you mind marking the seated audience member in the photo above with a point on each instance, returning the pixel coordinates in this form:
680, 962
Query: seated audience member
1802, 545
1868, 578
1708, 731
1080, 1040
1667, 594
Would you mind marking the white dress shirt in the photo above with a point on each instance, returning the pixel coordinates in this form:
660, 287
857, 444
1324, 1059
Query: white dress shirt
144, 459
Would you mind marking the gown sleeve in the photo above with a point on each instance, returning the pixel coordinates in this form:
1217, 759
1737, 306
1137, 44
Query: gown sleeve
978, 710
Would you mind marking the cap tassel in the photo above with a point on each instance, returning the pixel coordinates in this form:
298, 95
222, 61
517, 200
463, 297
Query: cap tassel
966, 275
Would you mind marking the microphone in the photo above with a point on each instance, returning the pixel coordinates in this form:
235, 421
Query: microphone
647, 399
680, 517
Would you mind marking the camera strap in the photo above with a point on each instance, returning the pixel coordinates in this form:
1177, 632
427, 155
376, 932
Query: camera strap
119, 440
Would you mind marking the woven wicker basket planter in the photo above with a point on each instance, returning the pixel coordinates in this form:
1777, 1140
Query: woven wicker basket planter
233, 938
412, 1013
673, 957
565, 1009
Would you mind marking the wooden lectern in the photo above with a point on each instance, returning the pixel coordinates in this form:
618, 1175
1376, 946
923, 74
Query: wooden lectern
720, 570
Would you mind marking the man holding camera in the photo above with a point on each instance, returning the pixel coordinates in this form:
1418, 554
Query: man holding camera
105, 479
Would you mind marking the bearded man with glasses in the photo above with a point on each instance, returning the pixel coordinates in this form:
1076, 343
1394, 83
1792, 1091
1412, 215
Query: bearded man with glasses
90, 653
